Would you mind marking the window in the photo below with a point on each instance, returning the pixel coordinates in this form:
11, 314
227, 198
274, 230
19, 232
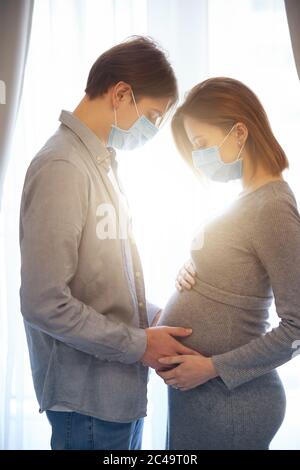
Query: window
247, 40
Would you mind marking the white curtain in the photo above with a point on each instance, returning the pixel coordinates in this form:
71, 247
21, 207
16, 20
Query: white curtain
247, 40
14, 44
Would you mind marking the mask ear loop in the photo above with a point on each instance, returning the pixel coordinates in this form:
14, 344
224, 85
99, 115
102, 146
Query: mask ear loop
226, 136
115, 111
135, 104
241, 149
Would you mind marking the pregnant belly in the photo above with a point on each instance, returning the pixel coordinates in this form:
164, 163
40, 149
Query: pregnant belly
217, 327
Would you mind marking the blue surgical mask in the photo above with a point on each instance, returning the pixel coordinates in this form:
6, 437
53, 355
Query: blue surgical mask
138, 134
209, 161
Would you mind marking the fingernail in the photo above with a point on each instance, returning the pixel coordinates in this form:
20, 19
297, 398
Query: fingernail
189, 330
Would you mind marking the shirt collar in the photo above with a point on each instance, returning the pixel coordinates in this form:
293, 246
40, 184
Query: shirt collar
100, 153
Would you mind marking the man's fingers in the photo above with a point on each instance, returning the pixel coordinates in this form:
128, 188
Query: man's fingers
179, 331
184, 350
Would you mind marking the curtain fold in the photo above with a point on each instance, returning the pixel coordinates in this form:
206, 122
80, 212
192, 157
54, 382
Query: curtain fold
15, 27
293, 16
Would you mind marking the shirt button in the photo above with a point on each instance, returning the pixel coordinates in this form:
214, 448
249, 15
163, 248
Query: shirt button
138, 274
141, 304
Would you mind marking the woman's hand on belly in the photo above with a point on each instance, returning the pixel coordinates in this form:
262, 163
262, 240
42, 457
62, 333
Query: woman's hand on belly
185, 278
191, 371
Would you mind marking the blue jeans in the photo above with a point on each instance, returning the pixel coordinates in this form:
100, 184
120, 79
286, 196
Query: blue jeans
76, 431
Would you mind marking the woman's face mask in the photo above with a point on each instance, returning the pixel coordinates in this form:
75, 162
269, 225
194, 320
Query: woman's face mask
137, 135
209, 161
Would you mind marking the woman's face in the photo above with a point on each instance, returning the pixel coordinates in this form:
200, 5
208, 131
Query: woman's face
202, 135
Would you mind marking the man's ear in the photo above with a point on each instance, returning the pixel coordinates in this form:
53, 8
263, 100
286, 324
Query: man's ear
121, 92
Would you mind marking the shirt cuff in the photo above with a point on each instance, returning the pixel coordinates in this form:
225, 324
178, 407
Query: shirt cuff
136, 347
230, 375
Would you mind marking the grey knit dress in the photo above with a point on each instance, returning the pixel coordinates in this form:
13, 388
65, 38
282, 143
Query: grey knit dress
250, 254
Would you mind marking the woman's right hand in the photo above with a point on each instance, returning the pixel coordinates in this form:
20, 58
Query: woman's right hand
185, 278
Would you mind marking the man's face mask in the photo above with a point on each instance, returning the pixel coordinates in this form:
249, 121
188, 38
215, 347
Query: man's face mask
137, 135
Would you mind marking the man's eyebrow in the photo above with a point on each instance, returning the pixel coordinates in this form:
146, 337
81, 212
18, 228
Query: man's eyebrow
165, 110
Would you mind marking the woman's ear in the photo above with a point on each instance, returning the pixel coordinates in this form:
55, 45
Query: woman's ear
241, 132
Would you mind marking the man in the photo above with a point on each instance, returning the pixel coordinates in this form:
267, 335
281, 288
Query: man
87, 321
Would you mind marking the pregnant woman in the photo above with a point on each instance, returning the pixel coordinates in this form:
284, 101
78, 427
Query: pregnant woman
230, 396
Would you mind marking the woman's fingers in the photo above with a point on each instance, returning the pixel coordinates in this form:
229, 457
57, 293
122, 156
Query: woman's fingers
185, 278
167, 375
171, 382
172, 359
178, 286
190, 267
183, 282
189, 278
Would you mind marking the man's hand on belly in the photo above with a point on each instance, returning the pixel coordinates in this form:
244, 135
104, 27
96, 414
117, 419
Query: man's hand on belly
161, 342
191, 371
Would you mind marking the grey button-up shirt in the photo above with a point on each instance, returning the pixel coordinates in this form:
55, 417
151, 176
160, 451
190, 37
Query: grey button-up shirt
82, 289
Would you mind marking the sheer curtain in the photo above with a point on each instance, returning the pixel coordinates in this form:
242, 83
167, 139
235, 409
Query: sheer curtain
247, 40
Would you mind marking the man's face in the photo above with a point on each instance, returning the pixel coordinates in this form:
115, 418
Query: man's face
155, 109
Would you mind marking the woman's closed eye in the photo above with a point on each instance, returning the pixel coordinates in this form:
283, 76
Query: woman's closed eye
199, 144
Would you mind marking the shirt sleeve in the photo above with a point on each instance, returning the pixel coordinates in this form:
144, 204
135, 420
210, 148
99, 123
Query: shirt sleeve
53, 211
276, 243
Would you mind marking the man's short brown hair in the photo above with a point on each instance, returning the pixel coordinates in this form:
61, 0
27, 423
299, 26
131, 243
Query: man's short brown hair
138, 61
